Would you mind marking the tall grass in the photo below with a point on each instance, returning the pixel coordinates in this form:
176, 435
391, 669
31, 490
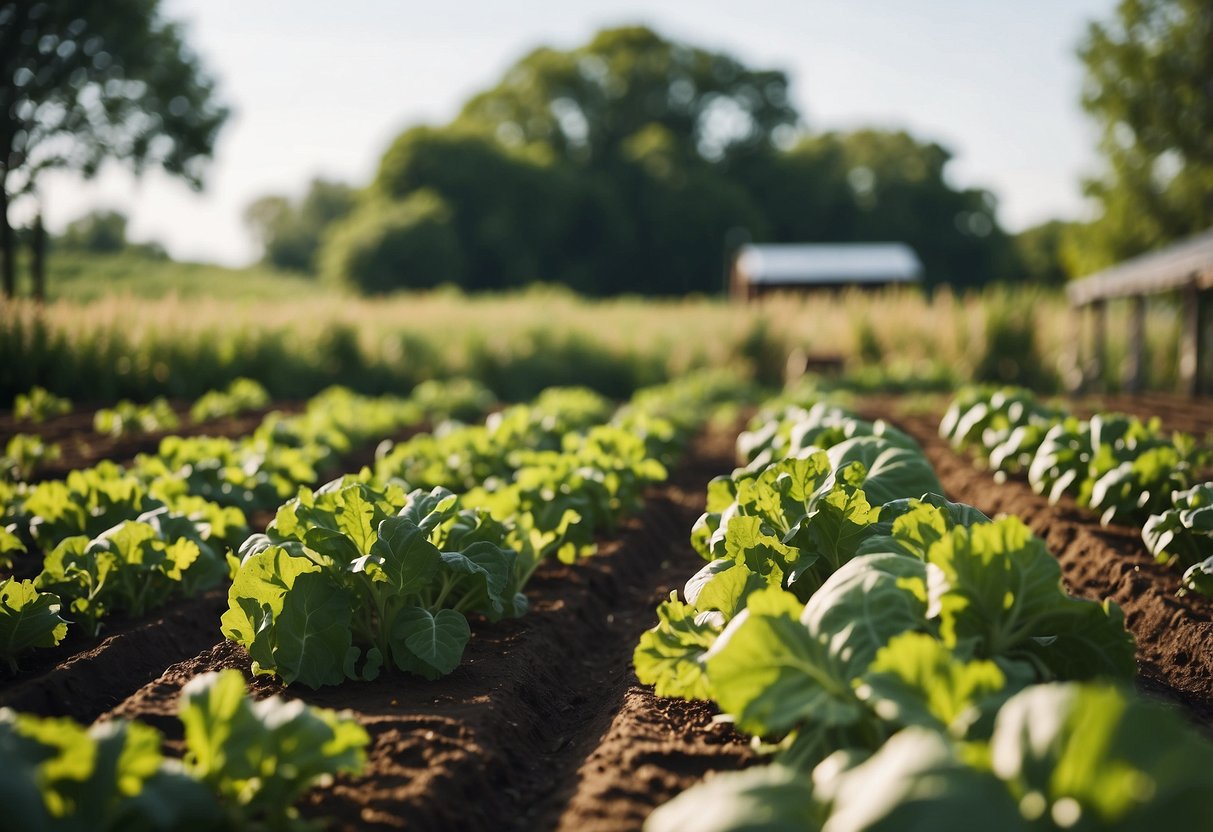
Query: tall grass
517, 343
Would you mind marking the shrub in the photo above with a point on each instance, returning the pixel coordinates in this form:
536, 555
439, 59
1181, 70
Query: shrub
386, 246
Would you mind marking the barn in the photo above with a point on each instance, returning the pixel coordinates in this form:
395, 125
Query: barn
786, 267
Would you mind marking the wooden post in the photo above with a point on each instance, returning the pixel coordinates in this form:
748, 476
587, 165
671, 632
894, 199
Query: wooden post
1099, 342
1076, 379
1135, 358
1204, 361
1189, 340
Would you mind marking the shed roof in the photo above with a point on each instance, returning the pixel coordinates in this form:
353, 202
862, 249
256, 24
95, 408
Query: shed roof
796, 263
1186, 262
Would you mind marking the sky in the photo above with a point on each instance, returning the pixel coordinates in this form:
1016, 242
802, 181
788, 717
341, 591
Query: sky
321, 88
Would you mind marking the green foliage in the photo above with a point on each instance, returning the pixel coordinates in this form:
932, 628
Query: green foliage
110, 777
290, 233
98, 232
127, 417
389, 246
1041, 252
28, 618
1183, 533
39, 404
241, 396
1072, 756
83, 85
350, 578
259, 758
245, 764
24, 454
132, 568
1011, 354
1148, 71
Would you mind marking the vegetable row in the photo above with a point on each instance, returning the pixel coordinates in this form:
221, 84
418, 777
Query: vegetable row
362, 574
126, 540
1123, 468
904, 662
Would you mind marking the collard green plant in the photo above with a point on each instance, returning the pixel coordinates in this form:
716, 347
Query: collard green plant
246, 764
1183, 534
351, 578
38, 405
28, 619
259, 758
132, 568
1069, 756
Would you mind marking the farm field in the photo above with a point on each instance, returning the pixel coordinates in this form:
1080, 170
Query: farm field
543, 722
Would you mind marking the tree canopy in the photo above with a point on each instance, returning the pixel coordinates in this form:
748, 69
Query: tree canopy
82, 82
290, 232
625, 164
1149, 84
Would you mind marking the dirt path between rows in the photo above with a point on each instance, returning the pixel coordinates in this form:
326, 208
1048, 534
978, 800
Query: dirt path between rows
544, 724
1174, 635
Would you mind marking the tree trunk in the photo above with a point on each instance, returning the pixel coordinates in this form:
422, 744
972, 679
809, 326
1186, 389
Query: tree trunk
8, 251
38, 259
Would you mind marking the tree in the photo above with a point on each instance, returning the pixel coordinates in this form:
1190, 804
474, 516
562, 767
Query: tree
291, 234
81, 82
388, 246
1149, 85
102, 231
586, 103
1040, 250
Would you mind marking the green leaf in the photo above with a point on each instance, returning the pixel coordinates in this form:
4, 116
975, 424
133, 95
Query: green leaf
915, 680
893, 471
1001, 598
312, 632
260, 757
28, 618
918, 780
430, 644
1101, 758
770, 798
403, 558
670, 655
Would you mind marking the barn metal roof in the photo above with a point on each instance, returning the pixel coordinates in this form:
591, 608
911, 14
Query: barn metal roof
795, 263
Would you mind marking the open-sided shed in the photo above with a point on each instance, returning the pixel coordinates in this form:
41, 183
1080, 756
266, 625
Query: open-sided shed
1185, 268
781, 267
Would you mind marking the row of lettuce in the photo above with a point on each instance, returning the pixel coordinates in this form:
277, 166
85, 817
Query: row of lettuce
1123, 468
370, 572
903, 661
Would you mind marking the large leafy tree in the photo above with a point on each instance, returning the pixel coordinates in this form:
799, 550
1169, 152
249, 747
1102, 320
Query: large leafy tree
1150, 85
586, 103
82, 81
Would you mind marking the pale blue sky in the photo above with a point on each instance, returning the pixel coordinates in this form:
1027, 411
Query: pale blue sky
320, 87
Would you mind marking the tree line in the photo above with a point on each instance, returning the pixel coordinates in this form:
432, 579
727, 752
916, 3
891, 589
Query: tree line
629, 164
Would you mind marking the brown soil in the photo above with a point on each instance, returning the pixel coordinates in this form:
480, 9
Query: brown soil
544, 724
1174, 635
1182, 413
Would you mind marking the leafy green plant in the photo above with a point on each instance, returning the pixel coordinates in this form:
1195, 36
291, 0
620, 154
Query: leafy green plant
241, 396
259, 758
246, 763
24, 454
28, 619
351, 578
127, 417
38, 405
133, 567
1058, 757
